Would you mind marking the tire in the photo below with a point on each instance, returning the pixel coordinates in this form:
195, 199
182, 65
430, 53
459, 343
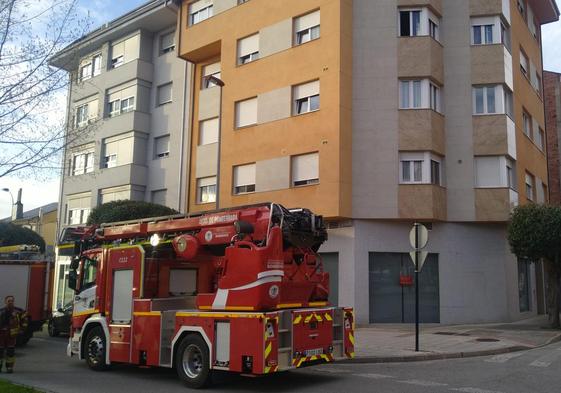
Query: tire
192, 362
53, 332
95, 349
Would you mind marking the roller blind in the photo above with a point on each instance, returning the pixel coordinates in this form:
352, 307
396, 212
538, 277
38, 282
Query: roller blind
93, 109
305, 167
487, 172
208, 132
246, 112
211, 69
244, 175
306, 90
206, 181
118, 50
307, 21
199, 5
81, 201
248, 45
161, 146
132, 48
164, 93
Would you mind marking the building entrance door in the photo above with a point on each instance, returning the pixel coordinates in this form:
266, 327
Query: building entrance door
392, 289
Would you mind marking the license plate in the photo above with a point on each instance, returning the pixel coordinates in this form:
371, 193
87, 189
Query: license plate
314, 352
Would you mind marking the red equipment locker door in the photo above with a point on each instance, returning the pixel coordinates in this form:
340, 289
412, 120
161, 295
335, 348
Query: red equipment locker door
124, 284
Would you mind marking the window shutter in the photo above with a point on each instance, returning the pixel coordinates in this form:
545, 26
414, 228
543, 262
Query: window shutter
248, 45
164, 93
307, 21
207, 181
93, 109
168, 40
244, 175
306, 90
79, 202
162, 145
305, 167
199, 5
523, 61
118, 50
208, 132
246, 112
132, 48
211, 69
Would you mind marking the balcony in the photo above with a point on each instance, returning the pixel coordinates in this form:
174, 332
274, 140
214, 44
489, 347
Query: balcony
421, 130
130, 121
420, 57
494, 204
138, 69
490, 7
494, 135
422, 202
491, 64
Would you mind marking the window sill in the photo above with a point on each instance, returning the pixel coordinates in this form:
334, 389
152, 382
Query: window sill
244, 127
296, 45
164, 103
305, 113
160, 158
305, 185
238, 65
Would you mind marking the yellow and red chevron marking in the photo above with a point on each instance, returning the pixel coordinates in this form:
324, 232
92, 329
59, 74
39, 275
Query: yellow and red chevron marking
297, 362
268, 351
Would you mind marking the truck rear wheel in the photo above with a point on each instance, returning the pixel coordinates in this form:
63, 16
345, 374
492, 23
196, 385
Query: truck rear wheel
192, 362
96, 349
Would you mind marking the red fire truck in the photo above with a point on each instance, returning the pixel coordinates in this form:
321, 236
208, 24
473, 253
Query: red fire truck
27, 276
240, 290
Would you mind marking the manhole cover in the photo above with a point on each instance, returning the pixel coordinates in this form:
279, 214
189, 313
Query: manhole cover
487, 340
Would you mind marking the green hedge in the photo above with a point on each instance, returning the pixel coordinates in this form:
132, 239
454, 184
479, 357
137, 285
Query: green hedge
11, 235
127, 210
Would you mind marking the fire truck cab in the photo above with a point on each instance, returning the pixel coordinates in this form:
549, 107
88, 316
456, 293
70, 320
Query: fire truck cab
238, 290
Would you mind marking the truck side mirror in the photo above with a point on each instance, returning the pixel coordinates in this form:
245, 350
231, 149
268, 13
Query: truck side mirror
75, 263
72, 279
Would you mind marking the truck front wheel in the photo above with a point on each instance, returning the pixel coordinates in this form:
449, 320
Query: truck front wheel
192, 362
96, 349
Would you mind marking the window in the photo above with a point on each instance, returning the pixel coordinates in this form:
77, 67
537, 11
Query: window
305, 169
159, 197
82, 163
86, 113
78, 208
483, 35
524, 67
434, 97
199, 11
82, 115
505, 36
164, 93
119, 193
96, 61
410, 23
210, 70
167, 43
530, 187
78, 216
86, 71
118, 150
434, 30
531, 22
89, 273
306, 97
248, 49
121, 101
494, 172
484, 100
410, 94
420, 168
246, 112
540, 138
307, 28
538, 83
244, 179
161, 146
125, 51
527, 124
509, 106
206, 190
208, 131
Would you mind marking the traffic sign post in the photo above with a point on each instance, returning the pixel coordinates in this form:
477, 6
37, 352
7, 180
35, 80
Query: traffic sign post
418, 238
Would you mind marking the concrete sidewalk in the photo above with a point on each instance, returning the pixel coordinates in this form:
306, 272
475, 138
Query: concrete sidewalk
396, 343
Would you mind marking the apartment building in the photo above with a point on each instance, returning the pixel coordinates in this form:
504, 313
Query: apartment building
552, 94
378, 114
128, 102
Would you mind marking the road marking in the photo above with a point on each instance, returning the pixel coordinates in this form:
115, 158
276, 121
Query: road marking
474, 390
374, 376
504, 357
420, 382
546, 360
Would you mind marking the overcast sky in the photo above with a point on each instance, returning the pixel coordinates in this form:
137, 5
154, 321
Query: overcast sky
37, 193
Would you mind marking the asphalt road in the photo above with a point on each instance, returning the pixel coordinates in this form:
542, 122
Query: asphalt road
44, 365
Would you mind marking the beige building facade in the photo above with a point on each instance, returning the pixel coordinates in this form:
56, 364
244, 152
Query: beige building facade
378, 114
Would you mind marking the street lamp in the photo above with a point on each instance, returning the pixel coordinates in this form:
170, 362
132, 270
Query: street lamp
208, 80
11, 196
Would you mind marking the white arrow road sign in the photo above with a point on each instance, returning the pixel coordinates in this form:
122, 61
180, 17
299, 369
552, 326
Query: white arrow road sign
422, 258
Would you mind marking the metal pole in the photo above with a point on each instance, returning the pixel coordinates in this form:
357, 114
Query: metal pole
221, 86
416, 287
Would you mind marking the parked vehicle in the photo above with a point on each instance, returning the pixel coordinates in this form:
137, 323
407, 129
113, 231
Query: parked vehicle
26, 276
61, 320
240, 290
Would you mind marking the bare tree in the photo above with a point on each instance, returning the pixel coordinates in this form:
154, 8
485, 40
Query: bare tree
32, 114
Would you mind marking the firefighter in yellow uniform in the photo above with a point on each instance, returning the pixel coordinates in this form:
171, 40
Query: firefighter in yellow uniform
13, 321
